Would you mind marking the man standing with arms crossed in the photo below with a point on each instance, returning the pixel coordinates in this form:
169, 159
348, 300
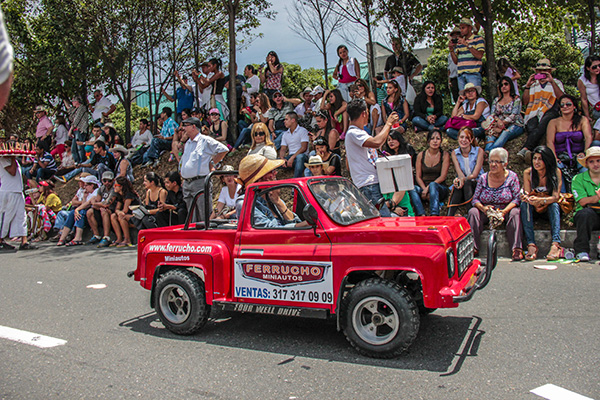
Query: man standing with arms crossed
361, 151
199, 153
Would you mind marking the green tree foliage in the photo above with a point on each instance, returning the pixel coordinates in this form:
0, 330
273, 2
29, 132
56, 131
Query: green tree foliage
118, 118
295, 79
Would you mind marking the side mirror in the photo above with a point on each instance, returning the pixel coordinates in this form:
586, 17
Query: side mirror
310, 215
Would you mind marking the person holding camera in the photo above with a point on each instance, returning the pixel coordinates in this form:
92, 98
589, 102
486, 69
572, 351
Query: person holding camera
467, 52
539, 96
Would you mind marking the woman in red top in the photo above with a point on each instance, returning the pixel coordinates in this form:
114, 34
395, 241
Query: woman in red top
346, 72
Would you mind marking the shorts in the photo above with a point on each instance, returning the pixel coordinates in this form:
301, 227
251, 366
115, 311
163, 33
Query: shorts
13, 220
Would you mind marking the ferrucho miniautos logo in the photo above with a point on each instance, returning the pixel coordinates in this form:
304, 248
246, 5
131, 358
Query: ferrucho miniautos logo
283, 273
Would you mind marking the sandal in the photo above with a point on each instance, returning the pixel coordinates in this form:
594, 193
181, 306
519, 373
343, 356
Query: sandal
75, 243
555, 252
517, 254
532, 251
123, 244
60, 243
114, 244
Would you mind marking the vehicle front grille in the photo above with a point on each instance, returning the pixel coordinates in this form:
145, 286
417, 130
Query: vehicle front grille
464, 253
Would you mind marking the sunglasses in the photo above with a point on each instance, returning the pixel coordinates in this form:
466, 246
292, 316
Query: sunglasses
562, 105
259, 134
595, 66
277, 95
106, 180
214, 114
505, 84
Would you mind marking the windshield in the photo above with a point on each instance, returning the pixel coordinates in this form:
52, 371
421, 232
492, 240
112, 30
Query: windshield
342, 201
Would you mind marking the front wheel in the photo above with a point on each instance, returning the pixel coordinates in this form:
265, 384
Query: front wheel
181, 302
379, 318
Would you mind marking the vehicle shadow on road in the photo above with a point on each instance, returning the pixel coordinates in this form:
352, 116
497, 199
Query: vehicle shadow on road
443, 343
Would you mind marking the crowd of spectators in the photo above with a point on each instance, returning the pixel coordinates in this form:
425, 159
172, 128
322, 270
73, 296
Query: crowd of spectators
321, 132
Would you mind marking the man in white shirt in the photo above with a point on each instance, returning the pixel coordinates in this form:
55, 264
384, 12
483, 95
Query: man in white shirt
101, 108
12, 205
294, 143
142, 137
307, 106
199, 153
361, 151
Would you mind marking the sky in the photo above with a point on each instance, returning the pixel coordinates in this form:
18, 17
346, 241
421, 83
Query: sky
291, 48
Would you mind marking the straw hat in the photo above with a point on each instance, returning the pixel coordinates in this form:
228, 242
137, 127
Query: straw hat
254, 167
471, 85
39, 109
119, 148
593, 151
315, 160
466, 21
90, 179
83, 175
543, 65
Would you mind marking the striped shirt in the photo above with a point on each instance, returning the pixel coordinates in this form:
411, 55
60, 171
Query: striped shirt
541, 99
47, 157
467, 63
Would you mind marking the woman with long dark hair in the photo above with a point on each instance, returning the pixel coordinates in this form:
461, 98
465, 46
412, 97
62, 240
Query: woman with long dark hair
335, 105
399, 202
431, 171
507, 122
429, 109
541, 190
589, 88
346, 72
395, 102
272, 75
505, 68
215, 66
127, 197
569, 136
327, 131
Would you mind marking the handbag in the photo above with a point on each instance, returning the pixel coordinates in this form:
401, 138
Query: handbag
566, 202
460, 122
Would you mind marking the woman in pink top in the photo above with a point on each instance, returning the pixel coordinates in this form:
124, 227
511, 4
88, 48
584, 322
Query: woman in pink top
346, 72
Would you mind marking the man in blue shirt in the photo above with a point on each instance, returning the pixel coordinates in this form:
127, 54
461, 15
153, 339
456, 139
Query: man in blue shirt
184, 95
163, 141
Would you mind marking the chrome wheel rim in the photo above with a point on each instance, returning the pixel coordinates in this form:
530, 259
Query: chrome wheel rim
175, 304
375, 320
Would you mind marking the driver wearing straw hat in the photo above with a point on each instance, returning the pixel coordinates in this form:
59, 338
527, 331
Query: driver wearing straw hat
270, 210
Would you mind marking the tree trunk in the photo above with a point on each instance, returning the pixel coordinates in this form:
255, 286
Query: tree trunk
323, 47
486, 7
592, 26
232, 7
370, 55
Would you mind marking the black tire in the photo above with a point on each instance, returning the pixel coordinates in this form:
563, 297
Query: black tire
379, 318
180, 302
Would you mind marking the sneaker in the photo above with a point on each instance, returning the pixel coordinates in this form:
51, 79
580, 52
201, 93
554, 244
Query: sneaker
27, 246
61, 179
94, 240
6, 247
583, 256
156, 162
104, 243
521, 153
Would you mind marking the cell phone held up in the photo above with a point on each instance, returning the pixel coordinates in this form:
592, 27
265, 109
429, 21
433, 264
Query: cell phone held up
455, 40
540, 76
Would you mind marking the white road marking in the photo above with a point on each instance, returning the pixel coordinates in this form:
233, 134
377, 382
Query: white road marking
553, 392
96, 286
30, 338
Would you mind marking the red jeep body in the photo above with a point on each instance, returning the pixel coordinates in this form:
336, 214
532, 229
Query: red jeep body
311, 271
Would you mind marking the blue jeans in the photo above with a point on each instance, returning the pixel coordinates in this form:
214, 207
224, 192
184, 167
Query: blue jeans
243, 136
92, 171
298, 164
156, 147
527, 215
512, 132
61, 219
78, 151
426, 126
437, 193
278, 139
469, 77
373, 194
71, 222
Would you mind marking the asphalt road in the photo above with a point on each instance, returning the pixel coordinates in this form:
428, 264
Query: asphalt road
528, 328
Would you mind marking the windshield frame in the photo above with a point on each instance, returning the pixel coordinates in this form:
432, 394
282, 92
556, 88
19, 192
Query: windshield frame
360, 197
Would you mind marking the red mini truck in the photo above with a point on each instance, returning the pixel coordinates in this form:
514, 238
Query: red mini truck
338, 259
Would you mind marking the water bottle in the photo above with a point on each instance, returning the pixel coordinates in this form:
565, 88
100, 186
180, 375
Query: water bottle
569, 254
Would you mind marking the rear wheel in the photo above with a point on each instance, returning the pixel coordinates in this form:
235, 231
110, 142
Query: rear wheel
180, 302
379, 318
